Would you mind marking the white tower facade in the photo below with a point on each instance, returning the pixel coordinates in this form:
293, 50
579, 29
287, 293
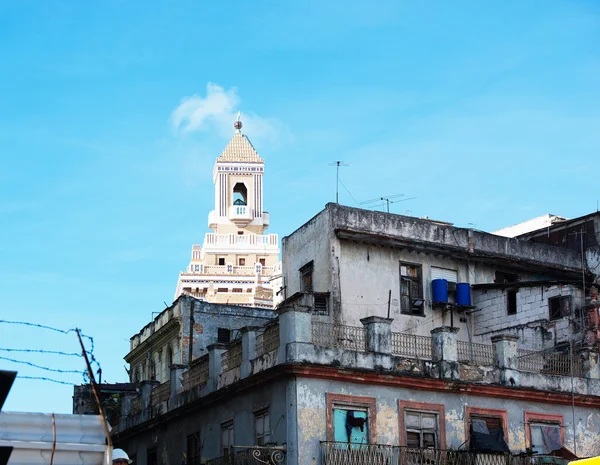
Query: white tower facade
237, 263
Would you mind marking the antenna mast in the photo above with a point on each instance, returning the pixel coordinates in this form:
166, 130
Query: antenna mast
337, 165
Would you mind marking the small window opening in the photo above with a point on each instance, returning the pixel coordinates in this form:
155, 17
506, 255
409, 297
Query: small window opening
502, 277
262, 261
221, 260
223, 335
558, 307
242, 261
306, 277
321, 304
240, 194
411, 289
511, 301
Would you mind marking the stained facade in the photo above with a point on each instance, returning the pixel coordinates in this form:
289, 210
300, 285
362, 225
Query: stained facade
365, 363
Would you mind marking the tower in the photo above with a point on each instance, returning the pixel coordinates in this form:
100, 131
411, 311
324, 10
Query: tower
237, 263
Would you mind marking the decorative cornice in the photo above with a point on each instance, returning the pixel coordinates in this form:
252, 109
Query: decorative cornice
165, 332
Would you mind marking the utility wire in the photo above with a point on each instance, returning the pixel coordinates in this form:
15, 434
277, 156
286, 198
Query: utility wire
344, 186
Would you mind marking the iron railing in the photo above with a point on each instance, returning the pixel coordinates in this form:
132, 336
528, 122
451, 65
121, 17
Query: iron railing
476, 354
232, 358
197, 374
412, 345
549, 362
161, 393
338, 336
268, 340
344, 453
256, 455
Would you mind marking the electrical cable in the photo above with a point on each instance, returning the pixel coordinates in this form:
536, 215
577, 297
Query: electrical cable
56, 370
42, 351
344, 186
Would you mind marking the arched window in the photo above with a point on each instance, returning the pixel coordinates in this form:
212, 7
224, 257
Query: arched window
240, 194
169, 356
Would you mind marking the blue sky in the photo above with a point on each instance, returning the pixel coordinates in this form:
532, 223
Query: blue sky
111, 116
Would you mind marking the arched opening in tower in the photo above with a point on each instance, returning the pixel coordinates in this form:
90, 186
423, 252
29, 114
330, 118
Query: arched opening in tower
240, 194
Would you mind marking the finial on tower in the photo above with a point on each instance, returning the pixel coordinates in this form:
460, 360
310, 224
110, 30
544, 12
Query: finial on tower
238, 124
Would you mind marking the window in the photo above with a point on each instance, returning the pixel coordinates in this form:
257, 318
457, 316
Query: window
511, 301
236, 289
559, 307
449, 275
169, 356
151, 457
222, 289
421, 429
544, 432
241, 261
321, 306
262, 428
193, 449
240, 194
226, 438
487, 428
240, 233
411, 289
422, 425
501, 277
262, 261
223, 335
351, 418
196, 267
306, 277
221, 261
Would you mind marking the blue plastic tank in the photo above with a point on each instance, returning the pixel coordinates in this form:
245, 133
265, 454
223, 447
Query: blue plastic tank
463, 294
439, 290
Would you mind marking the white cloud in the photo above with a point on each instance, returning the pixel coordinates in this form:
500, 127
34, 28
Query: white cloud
217, 112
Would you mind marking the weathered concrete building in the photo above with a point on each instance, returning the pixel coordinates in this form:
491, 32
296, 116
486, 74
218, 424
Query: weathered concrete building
237, 263
368, 362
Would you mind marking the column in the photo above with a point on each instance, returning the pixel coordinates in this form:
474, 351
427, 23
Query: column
505, 358
378, 334
445, 351
214, 365
248, 350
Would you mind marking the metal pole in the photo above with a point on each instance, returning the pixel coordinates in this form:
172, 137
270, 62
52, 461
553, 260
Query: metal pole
337, 181
94, 389
389, 302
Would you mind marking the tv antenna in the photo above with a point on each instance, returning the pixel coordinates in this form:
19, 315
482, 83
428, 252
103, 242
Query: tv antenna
387, 200
337, 165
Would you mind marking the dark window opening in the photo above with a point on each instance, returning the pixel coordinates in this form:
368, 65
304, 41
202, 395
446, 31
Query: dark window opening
223, 335
262, 261
321, 304
559, 307
222, 289
306, 277
240, 194
240, 233
411, 289
226, 438
193, 449
236, 289
486, 434
502, 277
241, 261
221, 261
511, 302
151, 457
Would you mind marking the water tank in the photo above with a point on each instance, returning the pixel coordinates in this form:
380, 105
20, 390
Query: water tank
439, 290
463, 294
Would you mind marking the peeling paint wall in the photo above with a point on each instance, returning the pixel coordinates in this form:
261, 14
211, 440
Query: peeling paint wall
312, 425
170, 437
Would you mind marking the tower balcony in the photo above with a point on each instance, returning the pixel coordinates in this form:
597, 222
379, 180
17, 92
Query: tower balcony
241, 215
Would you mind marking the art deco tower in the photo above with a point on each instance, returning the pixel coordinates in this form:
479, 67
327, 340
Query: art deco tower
237, 263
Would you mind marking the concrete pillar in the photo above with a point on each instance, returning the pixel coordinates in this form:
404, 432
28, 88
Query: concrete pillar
591, 364
214, 365
506, 359
378, 334
295, 325
444, 345
505, 351
176, 372
445, 351
146, 392
248, 350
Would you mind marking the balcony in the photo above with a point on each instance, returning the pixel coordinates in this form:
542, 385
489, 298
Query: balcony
241, 215
252, 243
343, 453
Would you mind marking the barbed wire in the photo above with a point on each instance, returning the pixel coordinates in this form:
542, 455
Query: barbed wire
41, 367
43, 351
61, 331
43, 378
